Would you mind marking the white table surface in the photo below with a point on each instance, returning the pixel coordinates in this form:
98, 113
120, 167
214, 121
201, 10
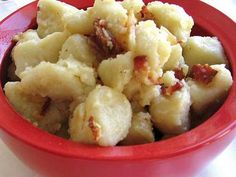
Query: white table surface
223, 166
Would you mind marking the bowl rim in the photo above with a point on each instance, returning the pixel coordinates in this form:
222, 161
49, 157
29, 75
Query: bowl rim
208, 132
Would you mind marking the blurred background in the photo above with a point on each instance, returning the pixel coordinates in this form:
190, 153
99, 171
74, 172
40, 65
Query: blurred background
223, 166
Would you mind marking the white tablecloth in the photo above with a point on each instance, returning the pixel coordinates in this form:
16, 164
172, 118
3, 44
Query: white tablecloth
223, 166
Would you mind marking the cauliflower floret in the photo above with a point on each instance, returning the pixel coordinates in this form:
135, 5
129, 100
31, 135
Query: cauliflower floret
140, 94
147, 93
79, 22
117, 72
203, 50
141, 130
203, 95
39, 110
50, 17
150, 43
62, 81
168, 78
170, 114
104, 118
114, 14
32, 52
173, 17
86, 74
170, 37
129, 37
78, 46
133, 5
175, 58
132, 88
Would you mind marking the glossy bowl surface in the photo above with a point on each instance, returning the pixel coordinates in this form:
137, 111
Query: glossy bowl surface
183, 155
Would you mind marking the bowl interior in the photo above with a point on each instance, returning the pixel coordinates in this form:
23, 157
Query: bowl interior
219, 124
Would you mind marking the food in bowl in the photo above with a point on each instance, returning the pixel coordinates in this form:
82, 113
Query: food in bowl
118, 73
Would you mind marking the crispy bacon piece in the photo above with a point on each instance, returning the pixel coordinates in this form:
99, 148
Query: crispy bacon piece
203, 73
94, 128
145, 14
104, 39
143, 72
167, 91
140, 63
179, 73
45, 106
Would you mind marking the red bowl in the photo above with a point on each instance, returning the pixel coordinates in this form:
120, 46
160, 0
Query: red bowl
183, 155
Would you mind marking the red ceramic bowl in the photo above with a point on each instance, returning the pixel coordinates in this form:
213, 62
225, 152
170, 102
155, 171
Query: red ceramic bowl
181, 156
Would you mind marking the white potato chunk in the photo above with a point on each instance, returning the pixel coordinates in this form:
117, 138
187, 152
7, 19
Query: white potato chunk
170, 114
151, 43
175, 58
104, 118
203, 95
173, 17
32, 52
141, 130
117, 72
78, 46
62, 81
79, 22
203, 50
133, 5
113, 13
27, 36
50, 17
33, 108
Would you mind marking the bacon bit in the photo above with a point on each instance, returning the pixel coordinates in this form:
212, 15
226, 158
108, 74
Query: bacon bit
95, 128
140, 63
45, 106
179, 73
203, 73
105, 40
142, 71
167, 91
145, 14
